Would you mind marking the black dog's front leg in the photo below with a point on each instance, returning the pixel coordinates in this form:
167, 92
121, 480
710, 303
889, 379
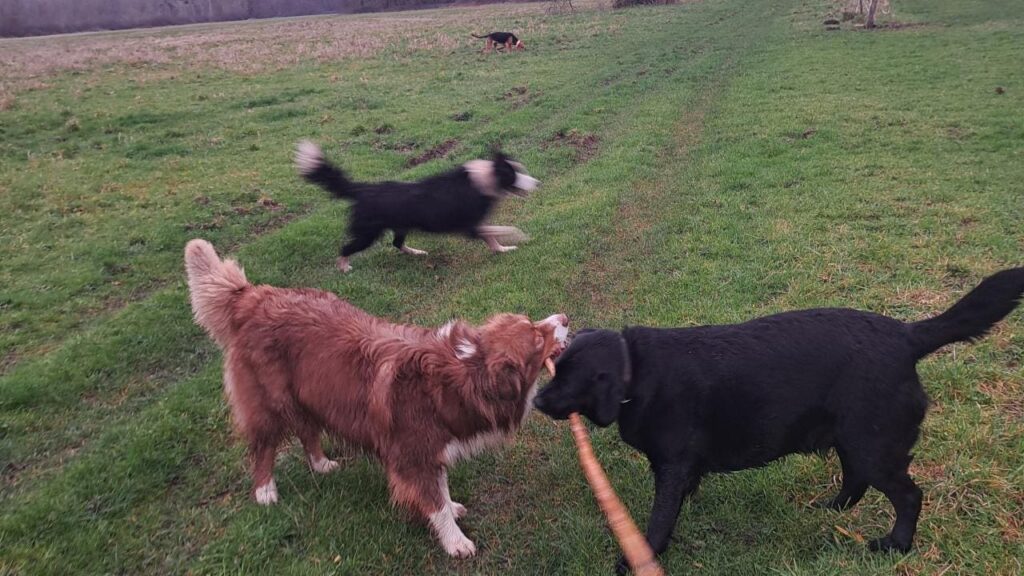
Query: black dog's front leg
672, 483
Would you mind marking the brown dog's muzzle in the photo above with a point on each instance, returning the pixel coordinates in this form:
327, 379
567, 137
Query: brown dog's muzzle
559, 323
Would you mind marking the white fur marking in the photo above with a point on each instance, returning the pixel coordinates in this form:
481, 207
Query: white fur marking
496, 246
308, 157
509, 234
481, 174
445, 331
458, 510
323, 465
526, 183
448, 532
562, 334
413, 251
267, 494
529, 404
459, 449
465, 349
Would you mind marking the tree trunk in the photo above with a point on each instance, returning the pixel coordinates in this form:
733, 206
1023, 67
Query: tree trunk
870, 22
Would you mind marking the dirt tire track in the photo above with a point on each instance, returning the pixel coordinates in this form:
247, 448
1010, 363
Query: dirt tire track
614, 260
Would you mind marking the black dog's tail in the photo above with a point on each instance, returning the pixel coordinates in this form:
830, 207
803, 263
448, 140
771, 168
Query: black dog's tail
973, 316
311, 164
475, 36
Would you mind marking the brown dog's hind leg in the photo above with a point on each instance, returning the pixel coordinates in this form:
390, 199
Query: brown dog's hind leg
309, 435
262, 451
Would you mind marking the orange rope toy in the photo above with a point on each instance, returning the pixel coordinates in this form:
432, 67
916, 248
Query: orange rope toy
634, 546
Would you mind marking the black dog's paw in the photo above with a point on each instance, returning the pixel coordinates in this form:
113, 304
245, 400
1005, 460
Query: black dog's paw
622, 567
887, 544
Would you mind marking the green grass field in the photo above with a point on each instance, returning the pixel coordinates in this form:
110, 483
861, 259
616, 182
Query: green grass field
706, 162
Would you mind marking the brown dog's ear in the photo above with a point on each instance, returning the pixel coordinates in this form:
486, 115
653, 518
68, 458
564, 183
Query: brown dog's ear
505, 381
463, 340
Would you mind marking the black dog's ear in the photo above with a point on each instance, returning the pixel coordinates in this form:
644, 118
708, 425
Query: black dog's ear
608, 392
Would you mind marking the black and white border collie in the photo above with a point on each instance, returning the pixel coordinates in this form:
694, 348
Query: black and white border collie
455, 202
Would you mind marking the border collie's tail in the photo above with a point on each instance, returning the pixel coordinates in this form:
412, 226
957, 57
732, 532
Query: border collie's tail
310, 162
475, 36
973, 316
213, 285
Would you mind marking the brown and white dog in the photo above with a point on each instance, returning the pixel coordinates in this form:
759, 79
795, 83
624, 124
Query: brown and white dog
506, 39
302, 361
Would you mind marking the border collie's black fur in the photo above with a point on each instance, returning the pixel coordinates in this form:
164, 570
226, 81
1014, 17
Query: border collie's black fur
725, 398
457, 201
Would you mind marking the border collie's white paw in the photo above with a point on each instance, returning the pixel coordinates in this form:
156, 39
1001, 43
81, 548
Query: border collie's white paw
343, 265
413, 251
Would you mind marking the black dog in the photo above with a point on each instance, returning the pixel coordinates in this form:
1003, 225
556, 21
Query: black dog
725, 398
457, 201
496, 39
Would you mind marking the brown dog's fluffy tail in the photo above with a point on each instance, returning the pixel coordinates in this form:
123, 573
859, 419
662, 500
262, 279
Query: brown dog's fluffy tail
212, 284
475, 36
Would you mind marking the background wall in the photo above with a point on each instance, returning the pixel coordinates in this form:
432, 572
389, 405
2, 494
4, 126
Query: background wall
35, 17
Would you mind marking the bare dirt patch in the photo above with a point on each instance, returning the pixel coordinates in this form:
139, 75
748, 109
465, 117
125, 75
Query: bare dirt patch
439, 151
1007, 396
603, 276
896, 26
923, 299
804, 135
585, 145
518, 97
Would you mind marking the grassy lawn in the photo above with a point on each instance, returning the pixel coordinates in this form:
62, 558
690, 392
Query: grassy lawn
702, 163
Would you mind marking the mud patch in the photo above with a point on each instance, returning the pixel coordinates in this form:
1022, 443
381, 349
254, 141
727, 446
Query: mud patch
212, 224
8, 361
403, 147
585, 146
1007, 397
439, 151
795, 136
518, 97
896, 26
